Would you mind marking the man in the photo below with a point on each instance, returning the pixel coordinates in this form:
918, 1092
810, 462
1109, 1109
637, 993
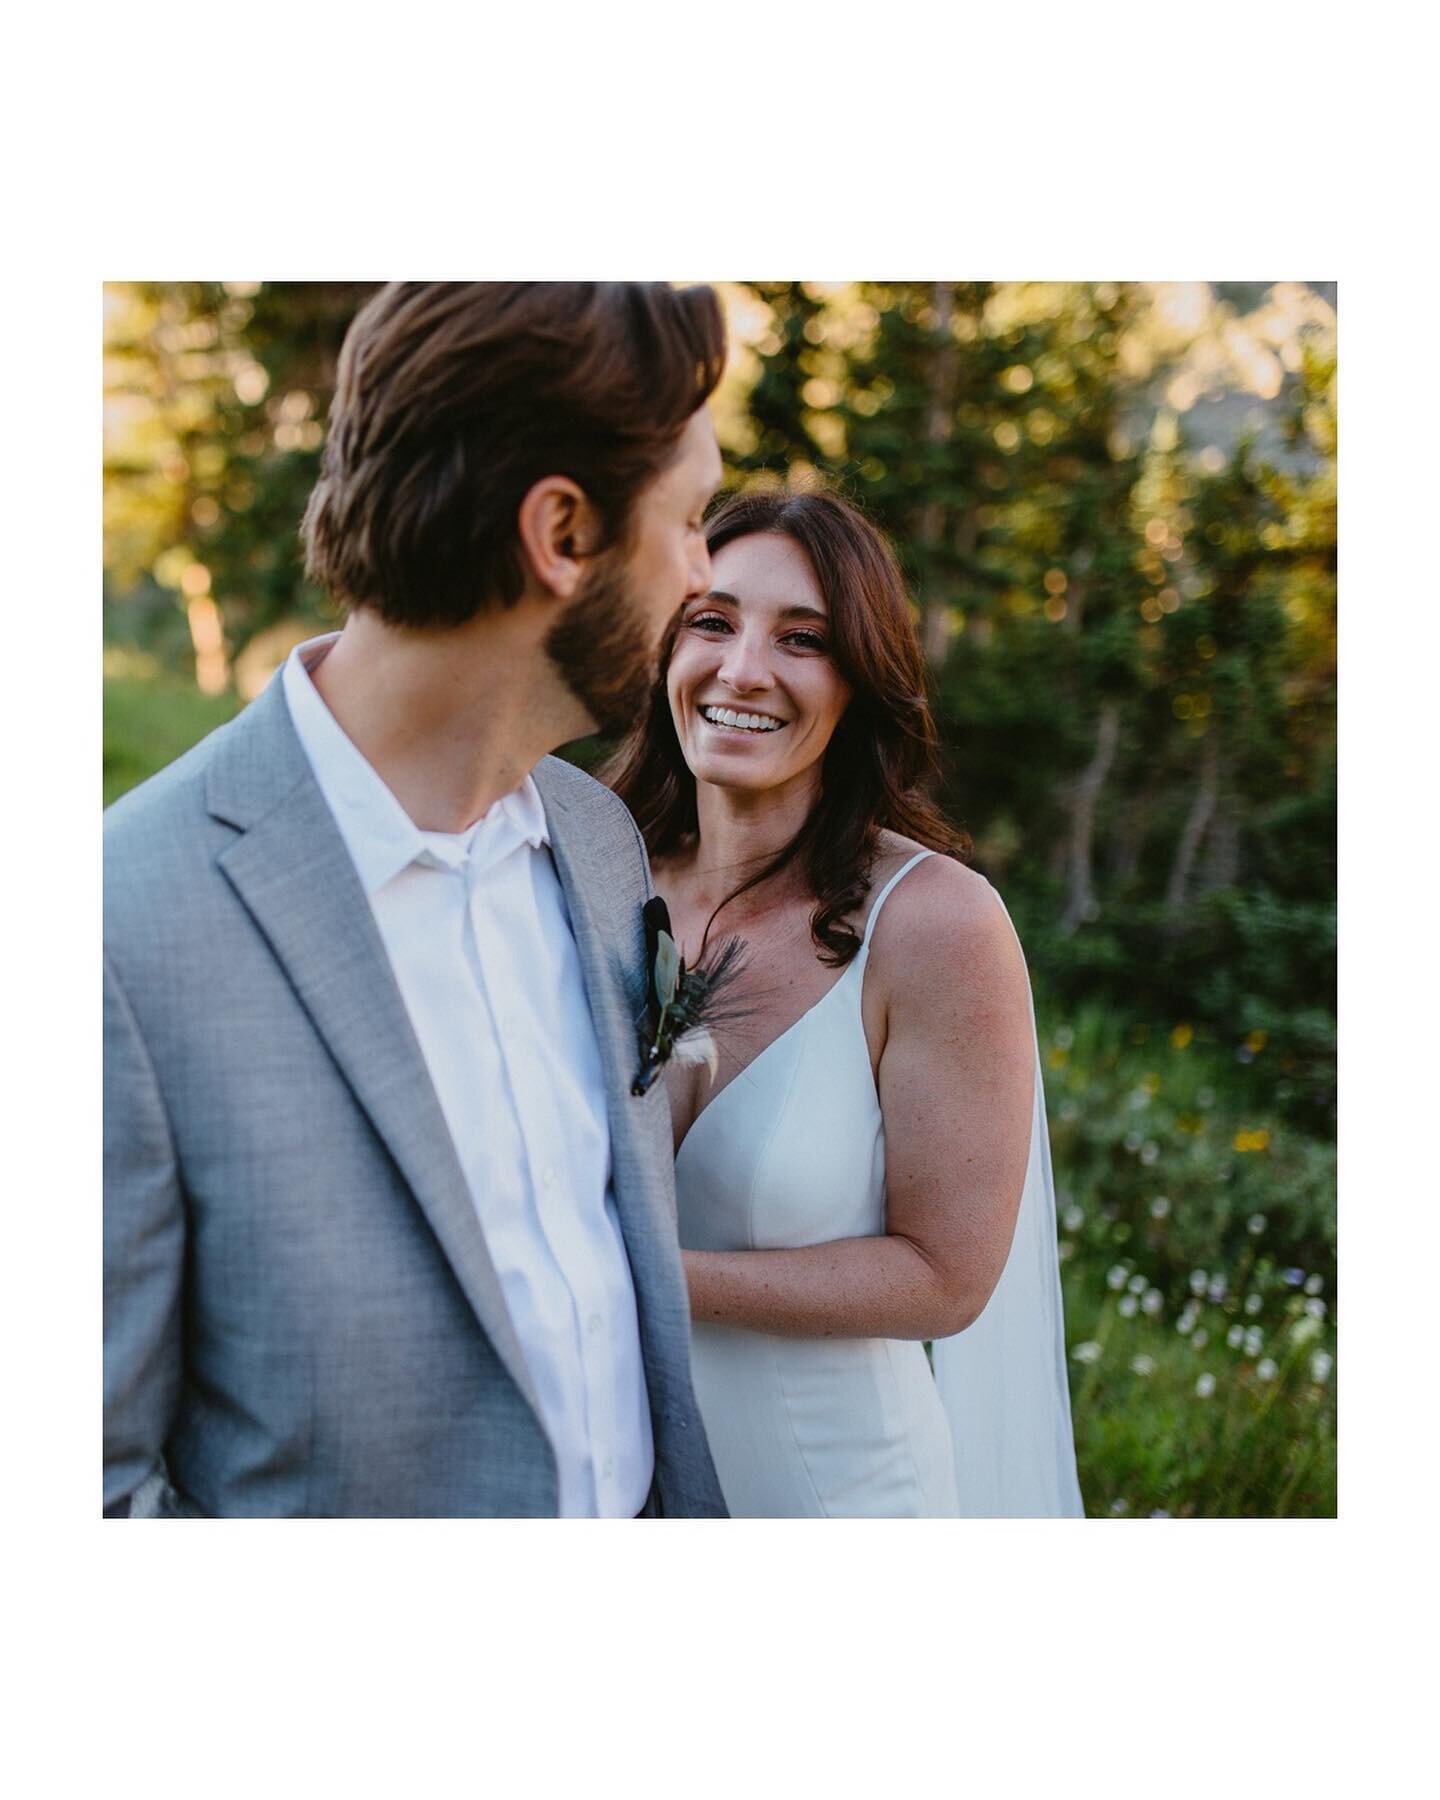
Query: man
385, 1232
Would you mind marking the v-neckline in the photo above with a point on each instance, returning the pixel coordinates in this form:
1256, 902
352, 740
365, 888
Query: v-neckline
834, 988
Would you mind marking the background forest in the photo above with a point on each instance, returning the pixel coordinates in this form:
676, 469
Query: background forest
1116, 506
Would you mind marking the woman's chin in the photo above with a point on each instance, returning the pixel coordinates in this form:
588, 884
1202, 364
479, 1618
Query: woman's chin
742, 772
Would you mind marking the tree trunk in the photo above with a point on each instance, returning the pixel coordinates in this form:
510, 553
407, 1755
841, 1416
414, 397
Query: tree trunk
1222, 842
1084, 800
1077, 592
207, 636
1197, 823
1127, 840
935, 623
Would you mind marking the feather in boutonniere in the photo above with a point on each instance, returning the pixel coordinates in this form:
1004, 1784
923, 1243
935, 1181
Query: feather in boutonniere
682, 1005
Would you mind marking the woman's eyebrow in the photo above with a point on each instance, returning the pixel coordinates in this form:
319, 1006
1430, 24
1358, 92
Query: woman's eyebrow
787, 612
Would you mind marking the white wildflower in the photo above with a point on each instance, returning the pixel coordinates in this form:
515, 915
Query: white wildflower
1235, 1336
1320, 1366
1199, 1280
1265, 1369
1138, 1284
1253, 1303
1315, 1308
1205, 1385
1117, 1277
1313, 1284
1254, 1338
1255, 1224
1159, 1206
1143, 1365
1074, 1218
1128, 1306
1086, 1353
1150, 1154
1152, 1301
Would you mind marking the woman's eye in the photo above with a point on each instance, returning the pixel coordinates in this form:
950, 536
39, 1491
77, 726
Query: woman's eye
806, 640
709, 621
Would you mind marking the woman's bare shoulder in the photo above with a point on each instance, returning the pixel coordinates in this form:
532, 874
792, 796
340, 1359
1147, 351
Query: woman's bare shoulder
943, 922
938, 891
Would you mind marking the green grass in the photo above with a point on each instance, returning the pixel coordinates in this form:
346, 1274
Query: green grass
149, 720
1197, 1234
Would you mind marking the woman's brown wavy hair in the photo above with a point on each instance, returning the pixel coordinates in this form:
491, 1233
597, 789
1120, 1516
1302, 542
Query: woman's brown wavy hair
883, 752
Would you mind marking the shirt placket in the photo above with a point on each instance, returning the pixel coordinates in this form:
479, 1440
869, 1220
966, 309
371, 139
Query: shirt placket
490, 885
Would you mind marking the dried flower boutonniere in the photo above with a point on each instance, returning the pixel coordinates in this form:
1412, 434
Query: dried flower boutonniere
682, 1005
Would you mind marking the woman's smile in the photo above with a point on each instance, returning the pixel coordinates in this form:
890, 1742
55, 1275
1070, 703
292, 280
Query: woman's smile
739, 722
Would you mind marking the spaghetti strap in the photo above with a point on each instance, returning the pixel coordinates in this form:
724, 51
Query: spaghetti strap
884, 893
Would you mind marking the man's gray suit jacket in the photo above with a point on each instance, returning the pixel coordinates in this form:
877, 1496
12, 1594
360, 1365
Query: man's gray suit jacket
301, 1316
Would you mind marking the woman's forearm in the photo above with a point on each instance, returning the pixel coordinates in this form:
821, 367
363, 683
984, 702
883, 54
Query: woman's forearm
853, 1287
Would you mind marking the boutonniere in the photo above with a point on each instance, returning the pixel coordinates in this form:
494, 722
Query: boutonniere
682, 1005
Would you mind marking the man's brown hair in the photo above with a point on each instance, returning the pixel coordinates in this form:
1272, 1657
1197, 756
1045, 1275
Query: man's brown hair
454, 398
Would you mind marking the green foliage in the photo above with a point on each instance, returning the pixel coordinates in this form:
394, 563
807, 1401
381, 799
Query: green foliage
1131, 634
215, 400
149, 720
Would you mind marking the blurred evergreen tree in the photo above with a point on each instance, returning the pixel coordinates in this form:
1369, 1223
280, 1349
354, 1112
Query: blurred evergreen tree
227, 383
1131, 636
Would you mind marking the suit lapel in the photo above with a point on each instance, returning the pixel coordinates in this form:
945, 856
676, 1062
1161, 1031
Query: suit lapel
611, 951
292, 872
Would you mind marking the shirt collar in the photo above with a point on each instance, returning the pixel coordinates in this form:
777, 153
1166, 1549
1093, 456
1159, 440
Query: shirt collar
379, 834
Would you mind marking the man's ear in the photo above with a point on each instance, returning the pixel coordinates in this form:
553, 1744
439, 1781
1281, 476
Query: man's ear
558, 530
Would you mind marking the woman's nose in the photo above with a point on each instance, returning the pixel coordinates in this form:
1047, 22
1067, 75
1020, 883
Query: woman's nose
746, 665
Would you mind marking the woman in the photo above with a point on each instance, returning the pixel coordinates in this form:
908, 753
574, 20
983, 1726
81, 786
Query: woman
850, 1178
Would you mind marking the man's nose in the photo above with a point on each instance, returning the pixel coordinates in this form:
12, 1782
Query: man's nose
699, 572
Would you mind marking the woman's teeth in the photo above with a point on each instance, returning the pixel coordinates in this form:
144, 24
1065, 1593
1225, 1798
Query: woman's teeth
739, 721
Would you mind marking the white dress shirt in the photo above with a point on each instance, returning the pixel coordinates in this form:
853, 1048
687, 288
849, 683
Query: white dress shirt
477, 932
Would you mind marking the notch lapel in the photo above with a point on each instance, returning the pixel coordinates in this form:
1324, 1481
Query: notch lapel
612, 962
292, 872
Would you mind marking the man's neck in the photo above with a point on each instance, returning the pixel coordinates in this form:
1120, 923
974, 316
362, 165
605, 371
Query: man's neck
449, 720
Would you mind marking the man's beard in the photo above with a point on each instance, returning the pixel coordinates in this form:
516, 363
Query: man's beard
602, 651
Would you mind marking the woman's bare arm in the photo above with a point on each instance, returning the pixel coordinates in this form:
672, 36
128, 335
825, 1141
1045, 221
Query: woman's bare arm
956, 1084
